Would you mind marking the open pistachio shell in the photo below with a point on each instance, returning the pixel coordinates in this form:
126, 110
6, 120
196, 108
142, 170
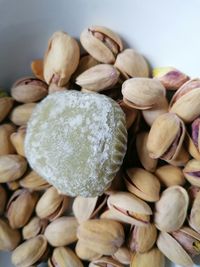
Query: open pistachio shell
123, 255
173, 250
181, 158
143, 184
34, 227
194, 216
84, 253
129, 208
34, 181
191, 147
192, 172
6, 146
105, 261
171, 209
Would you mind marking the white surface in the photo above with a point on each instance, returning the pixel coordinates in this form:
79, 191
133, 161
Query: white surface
166, 32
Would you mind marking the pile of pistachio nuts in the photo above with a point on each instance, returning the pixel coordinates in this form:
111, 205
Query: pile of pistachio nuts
152, 208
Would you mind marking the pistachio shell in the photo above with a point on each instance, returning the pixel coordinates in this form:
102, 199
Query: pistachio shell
181, 158
142, 93
21, 114
191, 147
37, 68
108, 234
62, 231
34, 181
6, 146
105, 261
194, 217
166, 137
129, 209
34, 227
61, 58
84, 253
171, 209
131, 114
143, 184
152, 258
173, 250
123, 255
13, 185
170, 175
6, 104
3, 199
17, 140
192, 172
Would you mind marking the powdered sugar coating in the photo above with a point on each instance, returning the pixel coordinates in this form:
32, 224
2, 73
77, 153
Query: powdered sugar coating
77, 141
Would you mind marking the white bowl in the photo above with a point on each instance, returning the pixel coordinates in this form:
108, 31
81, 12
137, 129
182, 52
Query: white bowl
165, 32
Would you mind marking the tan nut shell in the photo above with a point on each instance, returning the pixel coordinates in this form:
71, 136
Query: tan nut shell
123, 255
131, 113
194, 217
143, 184
192, 167
142, 93
105, 261
84, 253
6, 146
171, 209
17, 140
37, 68
173, 250
191, 148
34, 181
34, 227
21, 114
6, 104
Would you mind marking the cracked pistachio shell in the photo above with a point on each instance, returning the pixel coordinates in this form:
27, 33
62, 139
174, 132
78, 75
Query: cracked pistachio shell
105, 261
142, 93
171, 209
173, 250
84, 253
181, 159
129, 209
192, 172
30, 252
61, 58
62, 231
13, 185
34, 227
21, 114
170, 175
132, 64
191, 147
152, 258
166, 137
37, 66
108, 234
142, 238
141, 145
87, 208
34, 181
12, 167
194, 217
10, 238
29, 89
98, 78
6, 147
17, 140
51, 205
64, 257
160, 108
20, 207
185, 101
171, 78
123, 255
143, 184
3, 199
130, 113
6, 104
101, 43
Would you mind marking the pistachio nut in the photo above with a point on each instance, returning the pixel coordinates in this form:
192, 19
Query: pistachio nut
30, 252
123, 255
130, 113
37, 68
192, 172
17, 140
105, 261
84, 253
170, 175
181, 158
143, 184
166, 137
129, 208
6, 146
51, 204
185, 101
62, 231
12, 167
142, 238
21, 114
160, 108
98, 78
29, 89
171, 209
6, 104
152, 258
142, 93
87, 208
10, 238
108, 234
34, 227
141, 145
173, 250
20, 207
61, 58
194, 216
64, 257
101, 43
189, 240
131, 64
171, 78
3, 199
34, 181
